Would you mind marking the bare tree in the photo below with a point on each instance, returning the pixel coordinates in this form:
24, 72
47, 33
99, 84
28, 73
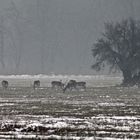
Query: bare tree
2, 41
42, 8
15, 17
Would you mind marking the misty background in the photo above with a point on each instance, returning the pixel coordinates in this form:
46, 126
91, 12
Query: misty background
55, 36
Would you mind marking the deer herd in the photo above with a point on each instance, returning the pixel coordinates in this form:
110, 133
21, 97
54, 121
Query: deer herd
55, 85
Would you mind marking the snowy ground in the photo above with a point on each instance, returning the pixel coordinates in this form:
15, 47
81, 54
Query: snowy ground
102, 112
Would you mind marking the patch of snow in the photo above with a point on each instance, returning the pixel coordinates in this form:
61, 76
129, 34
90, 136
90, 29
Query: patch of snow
111, 104
7, 104
61, 125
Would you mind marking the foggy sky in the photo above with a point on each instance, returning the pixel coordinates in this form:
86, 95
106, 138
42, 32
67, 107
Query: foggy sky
68, 29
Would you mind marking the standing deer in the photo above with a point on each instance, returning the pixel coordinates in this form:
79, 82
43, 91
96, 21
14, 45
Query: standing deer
57, 85
81, 85
4, 84
36, 84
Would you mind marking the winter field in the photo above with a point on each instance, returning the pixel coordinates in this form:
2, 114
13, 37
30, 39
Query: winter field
102, 112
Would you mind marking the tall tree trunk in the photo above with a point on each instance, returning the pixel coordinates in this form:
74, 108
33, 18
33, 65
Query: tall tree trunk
127, 75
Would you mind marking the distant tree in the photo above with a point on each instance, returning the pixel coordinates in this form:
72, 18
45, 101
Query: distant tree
119, 48
15, 31
2, 32
42, 20
16, 21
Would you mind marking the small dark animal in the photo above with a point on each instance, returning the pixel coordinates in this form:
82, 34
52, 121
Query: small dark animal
57, 85
36, 84
4, 84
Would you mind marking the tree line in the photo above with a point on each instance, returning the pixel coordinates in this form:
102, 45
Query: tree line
13, 23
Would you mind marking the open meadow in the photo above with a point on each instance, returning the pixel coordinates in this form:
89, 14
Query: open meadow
102, 112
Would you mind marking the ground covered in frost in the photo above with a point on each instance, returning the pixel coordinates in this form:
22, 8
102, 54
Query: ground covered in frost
102, 112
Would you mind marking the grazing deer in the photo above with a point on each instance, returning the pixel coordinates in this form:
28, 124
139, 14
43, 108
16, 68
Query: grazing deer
57, 85
70, 85
36, 84
4, 84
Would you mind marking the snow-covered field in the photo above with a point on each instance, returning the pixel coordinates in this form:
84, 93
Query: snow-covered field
102, 112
